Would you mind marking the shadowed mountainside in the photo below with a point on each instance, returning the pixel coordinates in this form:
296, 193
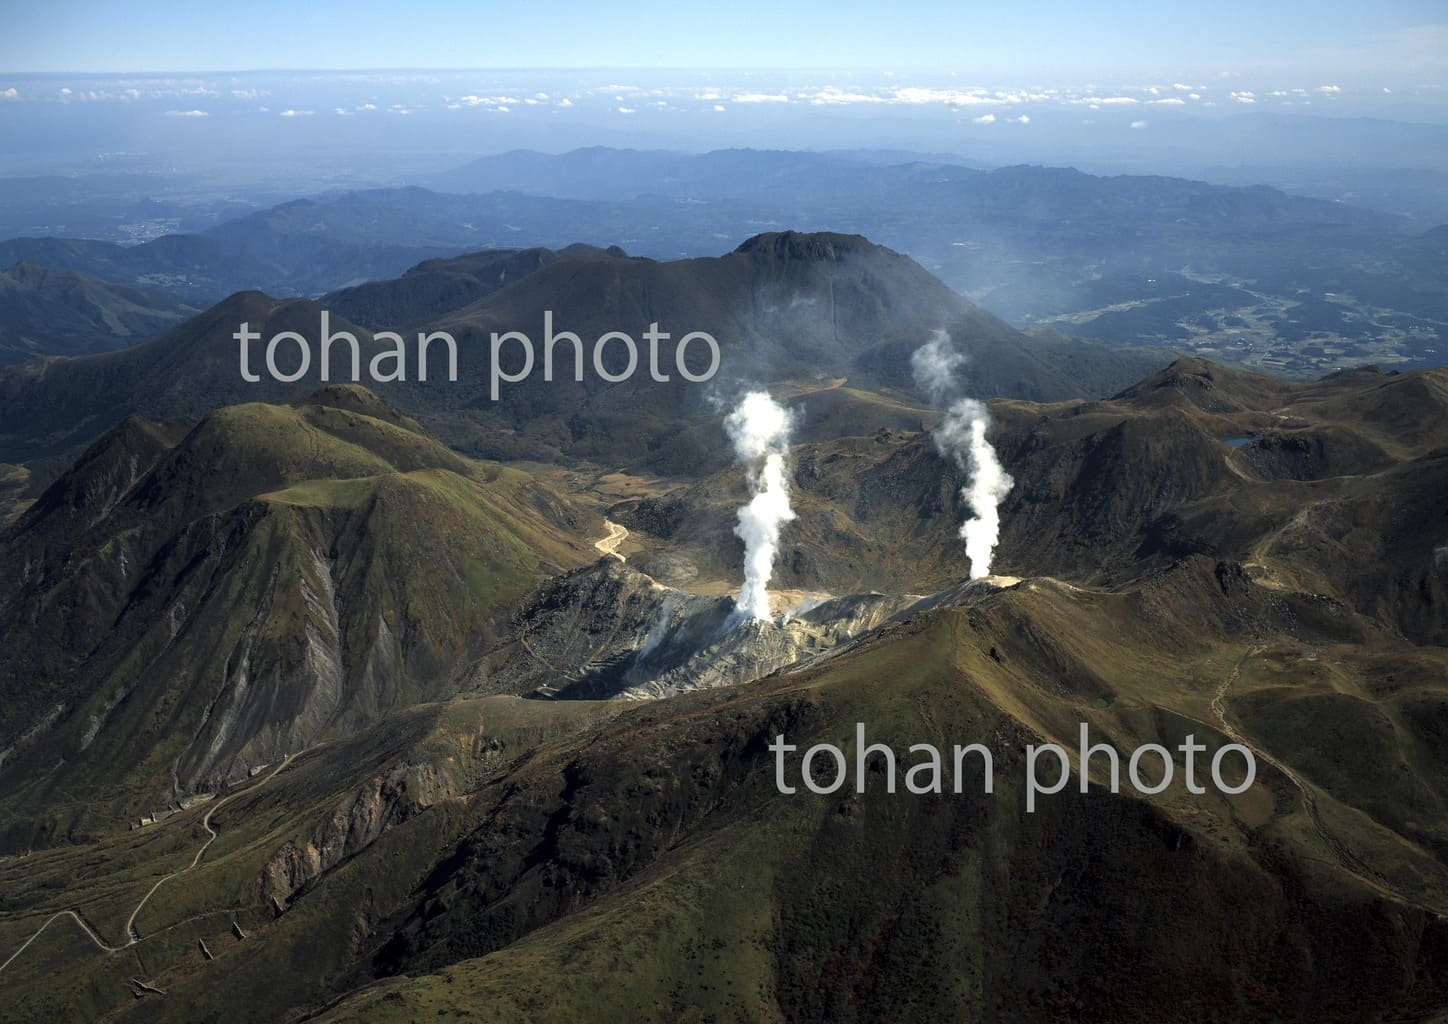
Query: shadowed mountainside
439, 286
61, 312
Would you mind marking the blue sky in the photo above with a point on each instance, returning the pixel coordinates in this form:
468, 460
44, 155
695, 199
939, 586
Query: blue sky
1043, 39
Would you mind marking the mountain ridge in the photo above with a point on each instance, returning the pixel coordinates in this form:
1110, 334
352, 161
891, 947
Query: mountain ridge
47, 311
779, 307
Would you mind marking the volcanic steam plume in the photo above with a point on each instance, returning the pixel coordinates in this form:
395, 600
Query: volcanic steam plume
759, 427
961, 437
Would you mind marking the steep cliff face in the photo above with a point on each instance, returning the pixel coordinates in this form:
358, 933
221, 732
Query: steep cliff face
609, 631
737, 651
433, 756
382, 802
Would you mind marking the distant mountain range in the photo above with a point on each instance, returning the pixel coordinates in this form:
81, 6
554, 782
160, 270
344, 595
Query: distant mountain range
44, 311
1246, 274
815, 308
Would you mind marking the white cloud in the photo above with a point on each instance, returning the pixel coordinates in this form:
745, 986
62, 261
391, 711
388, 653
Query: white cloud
919, 95
626, 110
1138, 124
1179, 87
1246, 96
1328, 90
341, 112
830, 96
761, 97
965, 97
719, 107
187, 113
368, 106
955, 97
296, 113
249, 94
565, 102
1170, 101
985, 119
10, 94
1023, 119
1194, 96
156, 89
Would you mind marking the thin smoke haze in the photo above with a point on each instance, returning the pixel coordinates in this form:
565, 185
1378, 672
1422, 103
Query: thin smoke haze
759, 428
934, 365
961, 436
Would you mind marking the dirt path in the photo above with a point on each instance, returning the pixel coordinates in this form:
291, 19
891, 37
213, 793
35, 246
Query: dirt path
131, 936
74, 917
616, 535
1346, 859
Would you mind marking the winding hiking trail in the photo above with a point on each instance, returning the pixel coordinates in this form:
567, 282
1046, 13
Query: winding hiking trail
131, 936
1346, 859
616, 535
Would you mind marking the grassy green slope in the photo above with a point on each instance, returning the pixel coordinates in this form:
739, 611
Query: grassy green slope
280, 575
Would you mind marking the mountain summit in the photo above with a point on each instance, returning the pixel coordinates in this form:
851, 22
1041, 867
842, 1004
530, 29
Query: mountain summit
785, 306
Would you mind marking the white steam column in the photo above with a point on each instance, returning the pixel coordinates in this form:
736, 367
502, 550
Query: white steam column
759, 427
961, 437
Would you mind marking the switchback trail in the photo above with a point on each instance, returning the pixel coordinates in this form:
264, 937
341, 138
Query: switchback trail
131, 937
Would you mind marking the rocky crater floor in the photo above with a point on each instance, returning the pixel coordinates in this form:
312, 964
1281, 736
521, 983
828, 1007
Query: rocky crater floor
607, 631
